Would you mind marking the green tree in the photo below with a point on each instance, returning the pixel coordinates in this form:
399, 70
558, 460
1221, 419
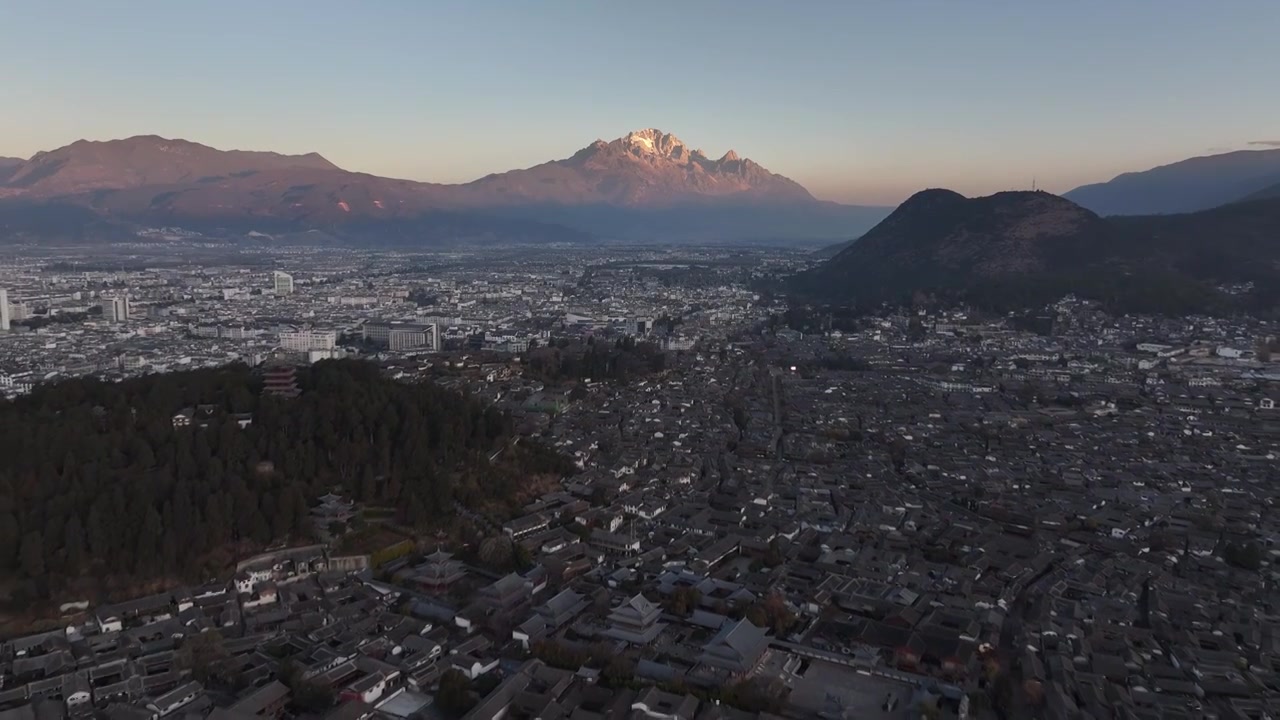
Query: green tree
73, 542
454, 694
619, 671
1246, 555
522, 558
31, 555
104, 480
773, 556
10, 540
979, 702
205, 656
312, 697
756, 695
683, 600
497, 552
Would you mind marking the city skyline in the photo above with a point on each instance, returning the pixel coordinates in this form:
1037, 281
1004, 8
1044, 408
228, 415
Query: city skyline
858, 104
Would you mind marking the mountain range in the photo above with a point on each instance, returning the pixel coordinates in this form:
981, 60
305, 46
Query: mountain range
644, 168
1267, 192
8, 166
1016, 249
646, 185
1191, 185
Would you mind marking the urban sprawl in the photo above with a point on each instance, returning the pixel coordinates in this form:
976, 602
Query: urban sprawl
916, 513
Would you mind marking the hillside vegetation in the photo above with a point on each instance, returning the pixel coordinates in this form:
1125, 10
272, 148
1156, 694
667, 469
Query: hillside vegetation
100, 491
1018, 249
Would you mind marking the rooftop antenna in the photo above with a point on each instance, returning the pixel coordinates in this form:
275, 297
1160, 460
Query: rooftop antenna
1033, 183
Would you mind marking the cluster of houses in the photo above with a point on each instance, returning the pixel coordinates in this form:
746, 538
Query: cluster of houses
972, 520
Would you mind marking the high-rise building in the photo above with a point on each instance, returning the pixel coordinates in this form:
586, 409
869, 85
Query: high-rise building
283, 282
305, 340
4, 310
640, 326
116, 310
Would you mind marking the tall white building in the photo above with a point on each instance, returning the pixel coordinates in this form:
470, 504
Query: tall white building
283, 282
640, 326
307, 340
4, 310
116, 310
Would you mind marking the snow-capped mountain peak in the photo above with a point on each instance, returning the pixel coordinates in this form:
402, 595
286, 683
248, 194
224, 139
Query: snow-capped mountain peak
651, 141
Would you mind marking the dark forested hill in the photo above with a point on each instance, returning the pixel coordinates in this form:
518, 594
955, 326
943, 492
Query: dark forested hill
99, 491
1268, 193
1018, 249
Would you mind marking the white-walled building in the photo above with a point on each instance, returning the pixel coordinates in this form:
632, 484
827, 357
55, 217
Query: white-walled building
283, 282
308, 340
116, 310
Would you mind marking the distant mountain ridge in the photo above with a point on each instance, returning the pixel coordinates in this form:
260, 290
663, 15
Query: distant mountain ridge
1264, 194
647, 185
644, 167
650, 185
1190, 185
1013, 249
144, 161
8, 166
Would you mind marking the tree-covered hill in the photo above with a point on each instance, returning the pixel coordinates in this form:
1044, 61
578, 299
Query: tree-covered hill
1015, 250
621, 360
100, 491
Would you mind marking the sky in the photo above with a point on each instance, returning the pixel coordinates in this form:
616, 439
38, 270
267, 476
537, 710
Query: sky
859, 100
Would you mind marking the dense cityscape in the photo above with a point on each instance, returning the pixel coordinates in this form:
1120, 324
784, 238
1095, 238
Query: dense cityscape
569, 360
771, 512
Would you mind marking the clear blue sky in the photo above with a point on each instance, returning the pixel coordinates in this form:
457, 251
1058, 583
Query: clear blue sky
858, 100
